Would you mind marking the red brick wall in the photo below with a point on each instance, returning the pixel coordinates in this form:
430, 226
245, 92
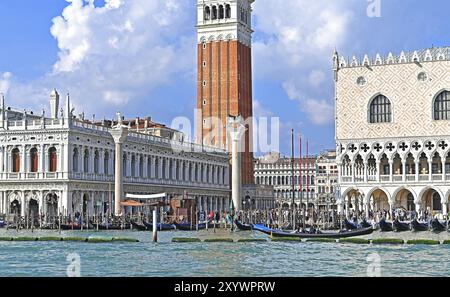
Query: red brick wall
228, 74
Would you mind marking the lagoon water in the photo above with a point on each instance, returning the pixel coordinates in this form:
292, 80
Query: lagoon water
213, 259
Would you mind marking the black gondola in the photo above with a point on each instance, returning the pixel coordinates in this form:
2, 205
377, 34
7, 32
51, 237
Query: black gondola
161, 227
386, 226
401, 226
437, 226
138, 227
340, 234
243, 227
417, 226
365, 224
350, 225
189, 226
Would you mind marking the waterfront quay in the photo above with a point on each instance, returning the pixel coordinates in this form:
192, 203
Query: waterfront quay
211, 259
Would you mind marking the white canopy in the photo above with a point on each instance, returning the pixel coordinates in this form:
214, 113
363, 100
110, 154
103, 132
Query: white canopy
152, 196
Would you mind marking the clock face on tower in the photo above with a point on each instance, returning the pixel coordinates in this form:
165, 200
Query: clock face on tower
225, 73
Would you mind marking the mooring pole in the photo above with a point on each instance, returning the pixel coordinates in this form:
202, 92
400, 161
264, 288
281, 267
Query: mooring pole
155, 227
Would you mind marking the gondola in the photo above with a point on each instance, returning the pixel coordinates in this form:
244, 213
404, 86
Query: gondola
161, 227
350, 225
401, 226
109, 226
188, 226
386, 226
340, 234
138, 227
243, 227
417, 226
365, 224
437, 226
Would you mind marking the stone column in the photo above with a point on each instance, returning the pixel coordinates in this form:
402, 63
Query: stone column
430, 169
119, 133
391, 170
404, 169
445, 209
23, 205
236, 129
443, 159
366, 164
416, 164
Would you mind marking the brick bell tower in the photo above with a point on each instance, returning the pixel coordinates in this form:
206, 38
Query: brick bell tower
225, 73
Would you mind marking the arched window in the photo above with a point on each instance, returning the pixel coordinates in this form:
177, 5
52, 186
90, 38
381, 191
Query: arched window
380, 110
149, 167
442, 106
75, 160
221, 12
86, 161
133, 166
171, 173
52, 157
141, 166
106, 164
214, 12
227, 11
34, 160
15, 160
156, 168
96, 162
164, 165
207, 13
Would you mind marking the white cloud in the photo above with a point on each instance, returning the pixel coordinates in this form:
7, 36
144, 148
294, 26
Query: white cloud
5, 82
114, 54
297, 39
316, 77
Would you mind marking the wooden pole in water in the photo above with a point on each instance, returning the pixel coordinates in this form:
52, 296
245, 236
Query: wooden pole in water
293, 180
155, 226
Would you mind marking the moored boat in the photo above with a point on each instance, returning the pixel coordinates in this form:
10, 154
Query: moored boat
386, 226
437, 226
365, 224
242, 226
417, 226
319, 234
401, 226
161, 227
138, 227
350, 225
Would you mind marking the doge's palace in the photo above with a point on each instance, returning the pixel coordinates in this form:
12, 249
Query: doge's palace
393, 131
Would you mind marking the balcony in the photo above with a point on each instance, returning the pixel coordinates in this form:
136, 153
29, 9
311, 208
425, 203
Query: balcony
385, 178
410, 177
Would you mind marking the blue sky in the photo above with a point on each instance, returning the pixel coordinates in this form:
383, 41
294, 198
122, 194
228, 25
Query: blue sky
138, 56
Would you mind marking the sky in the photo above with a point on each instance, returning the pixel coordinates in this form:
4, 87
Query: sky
139, 56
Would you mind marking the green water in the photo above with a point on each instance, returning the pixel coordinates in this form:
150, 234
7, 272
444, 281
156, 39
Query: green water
213, 259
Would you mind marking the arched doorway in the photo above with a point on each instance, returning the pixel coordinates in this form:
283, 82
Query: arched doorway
51, 205
431, 202
85, 204
33, 211
405, 199
15, 207
379, 200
